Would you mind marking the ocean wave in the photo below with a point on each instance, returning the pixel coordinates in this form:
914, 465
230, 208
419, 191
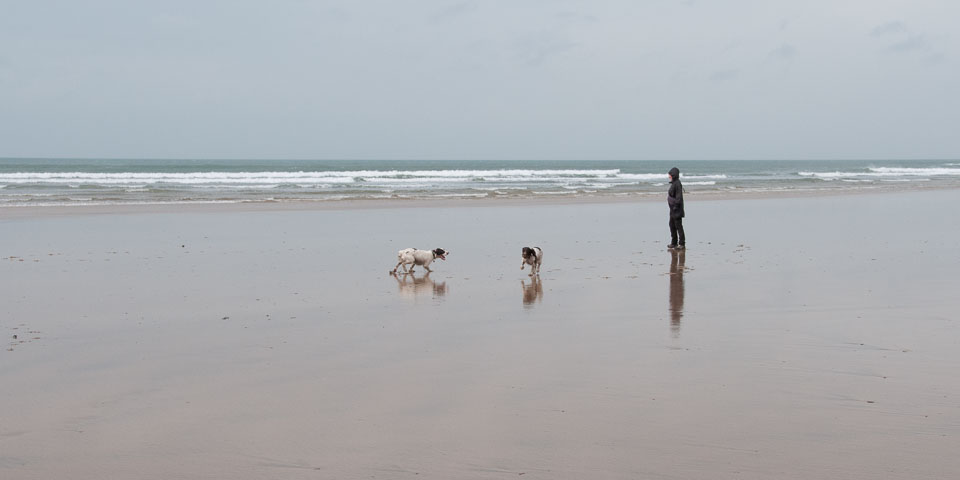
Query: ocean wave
582, 186
832, 175
922, 172
555, 193
661, 176
642, 176
245, 186
72, 203
702, 177
502, 187
461, 195
885, 172
336, 177
331, 176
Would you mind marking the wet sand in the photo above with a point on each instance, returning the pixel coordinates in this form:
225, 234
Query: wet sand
801, 338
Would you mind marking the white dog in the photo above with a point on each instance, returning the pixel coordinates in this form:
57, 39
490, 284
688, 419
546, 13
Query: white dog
414, 257
533, 257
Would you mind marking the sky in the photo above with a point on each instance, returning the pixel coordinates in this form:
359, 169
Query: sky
485, 79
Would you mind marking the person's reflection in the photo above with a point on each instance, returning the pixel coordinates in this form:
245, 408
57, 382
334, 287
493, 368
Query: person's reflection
532, 293
676, 290
412, 287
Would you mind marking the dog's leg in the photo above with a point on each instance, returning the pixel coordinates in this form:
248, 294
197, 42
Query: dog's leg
523, 263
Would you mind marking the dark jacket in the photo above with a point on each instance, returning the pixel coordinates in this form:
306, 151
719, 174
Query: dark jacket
675, 194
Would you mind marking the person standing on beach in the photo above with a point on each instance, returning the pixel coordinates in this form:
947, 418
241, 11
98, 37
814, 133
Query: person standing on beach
675, 201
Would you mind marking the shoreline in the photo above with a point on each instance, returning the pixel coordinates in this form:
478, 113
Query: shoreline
31, 211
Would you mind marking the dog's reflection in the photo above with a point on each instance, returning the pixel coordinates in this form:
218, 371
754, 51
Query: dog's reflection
676, 289
411, 286
532, 293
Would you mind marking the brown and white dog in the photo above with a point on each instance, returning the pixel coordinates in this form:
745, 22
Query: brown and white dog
414, 257
533, 257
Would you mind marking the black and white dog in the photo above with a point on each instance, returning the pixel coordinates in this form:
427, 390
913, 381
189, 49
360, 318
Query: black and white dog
533, 257
414, 257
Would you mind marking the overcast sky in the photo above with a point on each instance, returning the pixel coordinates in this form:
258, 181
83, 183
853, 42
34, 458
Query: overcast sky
485, 79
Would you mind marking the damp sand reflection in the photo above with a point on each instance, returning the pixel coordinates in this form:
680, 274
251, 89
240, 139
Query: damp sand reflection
411, 286
677, 267
532, 292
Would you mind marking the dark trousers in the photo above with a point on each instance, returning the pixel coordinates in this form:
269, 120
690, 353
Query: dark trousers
676, 227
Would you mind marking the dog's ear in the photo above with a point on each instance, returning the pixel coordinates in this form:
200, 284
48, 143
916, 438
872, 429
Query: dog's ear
526, 251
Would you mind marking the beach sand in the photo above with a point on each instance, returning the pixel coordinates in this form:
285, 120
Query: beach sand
795, 338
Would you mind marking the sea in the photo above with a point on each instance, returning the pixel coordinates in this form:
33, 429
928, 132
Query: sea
64, 182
